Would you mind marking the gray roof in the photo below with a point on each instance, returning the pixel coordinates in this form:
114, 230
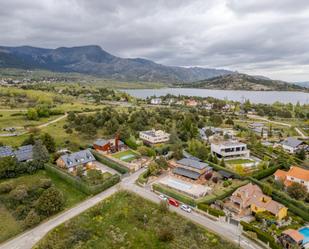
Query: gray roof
78, 158
193, 163
101, 142
225, 174
292, 142
6, 151
187, 173
24, 153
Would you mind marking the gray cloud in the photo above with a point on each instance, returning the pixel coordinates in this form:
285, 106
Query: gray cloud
266, 37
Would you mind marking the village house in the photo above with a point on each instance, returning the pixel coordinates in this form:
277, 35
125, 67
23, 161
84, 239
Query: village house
71, 162
229, 149
295, 174
190, 168
259, 129
291, 238
109, 145
191, 102
156, 101
154, 136
250, 199
22, 153
293, 145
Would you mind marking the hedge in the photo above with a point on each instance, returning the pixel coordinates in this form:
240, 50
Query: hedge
263, 236
80, 185
110, 163
143, 177
182, 198
266, 172
293, 205
210, 210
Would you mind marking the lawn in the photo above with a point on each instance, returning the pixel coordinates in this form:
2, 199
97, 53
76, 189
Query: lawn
10, 225
239, 161
126, 156
126, 220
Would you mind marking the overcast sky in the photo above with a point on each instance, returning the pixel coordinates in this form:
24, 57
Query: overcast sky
265, 37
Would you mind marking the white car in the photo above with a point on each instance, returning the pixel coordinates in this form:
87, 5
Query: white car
163, 197
186, 208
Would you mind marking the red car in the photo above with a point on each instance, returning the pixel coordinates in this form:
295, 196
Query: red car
173, 202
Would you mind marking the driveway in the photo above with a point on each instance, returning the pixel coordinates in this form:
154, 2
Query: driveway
105, 168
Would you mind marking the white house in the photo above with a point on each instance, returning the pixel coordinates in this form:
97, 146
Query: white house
229, 149
156, 101
295, 174
154, 137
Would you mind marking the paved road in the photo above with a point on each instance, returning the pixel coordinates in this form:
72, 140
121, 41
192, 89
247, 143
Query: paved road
28, 239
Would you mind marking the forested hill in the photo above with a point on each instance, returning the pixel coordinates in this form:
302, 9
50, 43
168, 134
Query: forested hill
238, 81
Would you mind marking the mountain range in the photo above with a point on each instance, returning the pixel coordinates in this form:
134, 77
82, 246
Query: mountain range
94, 60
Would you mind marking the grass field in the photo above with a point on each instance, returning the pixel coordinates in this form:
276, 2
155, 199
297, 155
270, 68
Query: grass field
239, 161
126, 220
126, 156
9, 225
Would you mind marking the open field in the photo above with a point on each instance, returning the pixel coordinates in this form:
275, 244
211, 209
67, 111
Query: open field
10, 225
127, 155
121, 222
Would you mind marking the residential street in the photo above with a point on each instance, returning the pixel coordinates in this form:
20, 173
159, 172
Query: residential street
28, 239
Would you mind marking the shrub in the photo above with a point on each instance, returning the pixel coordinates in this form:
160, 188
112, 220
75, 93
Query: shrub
19, 193
32, 219
50, 202
208, 176
45, 183
215, 179
5, 187
165, 234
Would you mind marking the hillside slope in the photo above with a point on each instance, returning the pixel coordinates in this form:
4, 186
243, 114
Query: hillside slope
95, 61
237, 81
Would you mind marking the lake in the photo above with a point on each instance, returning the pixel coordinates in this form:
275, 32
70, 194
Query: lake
265, 97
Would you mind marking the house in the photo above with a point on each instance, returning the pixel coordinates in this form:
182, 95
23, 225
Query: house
291, 238
22, 153
190, 168
225, 175
259, 129
229, 149
71, 162
295, 174
250, 199
154, 136
292, 145
156, 101
191, 102
109, 145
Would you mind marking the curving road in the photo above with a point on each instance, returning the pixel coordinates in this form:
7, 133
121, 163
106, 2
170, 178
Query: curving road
28, 239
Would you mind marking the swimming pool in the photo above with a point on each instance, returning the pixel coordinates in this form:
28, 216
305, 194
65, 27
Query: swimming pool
305, 231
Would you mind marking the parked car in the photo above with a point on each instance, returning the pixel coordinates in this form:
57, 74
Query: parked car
173, 202
186, 208
163, 197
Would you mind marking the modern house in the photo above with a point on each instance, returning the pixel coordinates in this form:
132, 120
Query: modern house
250, 199
109, 145
190, 168
154, 136
156, 101
229, 149
22, 153
71, 162
292, 145
295, 174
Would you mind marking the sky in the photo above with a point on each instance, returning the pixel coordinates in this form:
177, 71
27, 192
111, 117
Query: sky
261, 37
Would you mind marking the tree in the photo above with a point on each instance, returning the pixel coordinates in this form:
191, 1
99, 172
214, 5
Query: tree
80, 171
301, 154
222, 163
40, 153
50, 202
297, 191
8, 166
32, 114
177, 151
49, 142
19, 193
29, 140
153, 169
216, 120
161, 161
229, 121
